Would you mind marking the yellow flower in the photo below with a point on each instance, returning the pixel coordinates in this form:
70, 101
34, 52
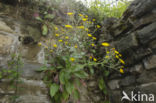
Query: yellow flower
89, 22
90, 57
86, 16
121, 70
94, 38
81, 27
70, 13
66, 37
60, 40
95, 59
57, 35
120, 55
105, 44
72, 59
56, 28
86, 29
98, 26
45, 47
80, 15
51, 51
39, 44
55, 45
121, 61
117, 56
68, 26
75, 46
107, 57
90, 35
84, 19
107, 52
116, 52
93, 44
93, 19
66, 42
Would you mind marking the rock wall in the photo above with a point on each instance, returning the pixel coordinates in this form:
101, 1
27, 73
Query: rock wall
135, 37
19, 33
32, 89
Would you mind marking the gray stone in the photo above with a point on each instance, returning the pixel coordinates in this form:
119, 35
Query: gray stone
133, 56
127, 42
147, 34
127, 81
30, 52
32, 91
152, 44
150, 63
5, 28
115, 97
136, 69
30, 69
92, 84
5, 44
113, 84
149, 88
139, 8
147, 76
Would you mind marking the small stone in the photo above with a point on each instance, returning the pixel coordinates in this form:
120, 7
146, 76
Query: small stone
5, 28
137, 68
147, 76
147, 34
150, 63
126, 43
128, 81
5, 44
92, 84
113, 84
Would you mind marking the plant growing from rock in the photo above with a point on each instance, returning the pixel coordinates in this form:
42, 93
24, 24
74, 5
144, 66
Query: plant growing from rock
12, 72
69, 56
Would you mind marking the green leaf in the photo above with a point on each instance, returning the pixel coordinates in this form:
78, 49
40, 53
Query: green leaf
38, 18
91, 69
54, 89
0, 75
106, 73
77, 82
65, 95
41, 69
44, 30
49, 16
62, 77
77, 67
69, 87
81, 74
76, 95
101, 84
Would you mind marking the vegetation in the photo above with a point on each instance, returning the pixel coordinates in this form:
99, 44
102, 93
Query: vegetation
70, 55
12, 73
70, 49
102, 9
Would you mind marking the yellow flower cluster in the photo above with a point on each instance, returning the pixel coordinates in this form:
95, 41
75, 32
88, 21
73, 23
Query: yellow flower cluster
69, 13
105, 44
72, 59
57, 35
84, 19
81, 27
90, 35
68, 26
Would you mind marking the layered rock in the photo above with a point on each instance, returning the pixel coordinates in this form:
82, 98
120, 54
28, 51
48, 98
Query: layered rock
134, 35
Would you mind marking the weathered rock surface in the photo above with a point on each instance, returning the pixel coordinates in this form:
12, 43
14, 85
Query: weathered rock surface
134, 35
